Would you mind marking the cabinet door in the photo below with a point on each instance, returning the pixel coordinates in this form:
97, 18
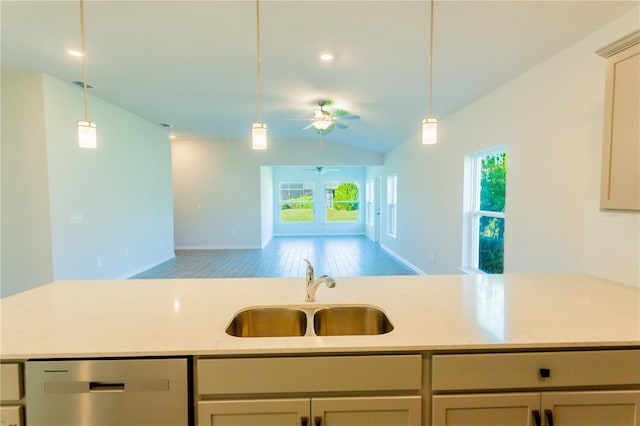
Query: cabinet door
262, 412
372, 411
11, 415
606, 408
621, 149
504, 409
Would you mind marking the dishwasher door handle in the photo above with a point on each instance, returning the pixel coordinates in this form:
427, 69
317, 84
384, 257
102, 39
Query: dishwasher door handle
106, 387
129, 385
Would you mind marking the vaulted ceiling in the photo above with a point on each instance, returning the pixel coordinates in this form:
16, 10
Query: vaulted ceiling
193, 63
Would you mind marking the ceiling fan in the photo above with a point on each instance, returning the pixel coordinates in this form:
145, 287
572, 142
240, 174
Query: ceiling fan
320, 170
324, 122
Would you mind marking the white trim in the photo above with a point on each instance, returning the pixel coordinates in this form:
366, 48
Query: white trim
471, 271
619, 45
146, 267
402, 260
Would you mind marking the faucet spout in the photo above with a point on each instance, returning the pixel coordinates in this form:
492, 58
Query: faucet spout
313, 283
311, 289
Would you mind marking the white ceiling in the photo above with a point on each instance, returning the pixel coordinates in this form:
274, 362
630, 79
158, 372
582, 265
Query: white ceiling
193, 63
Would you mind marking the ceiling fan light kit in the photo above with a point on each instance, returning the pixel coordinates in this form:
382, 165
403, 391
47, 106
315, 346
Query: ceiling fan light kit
430, 124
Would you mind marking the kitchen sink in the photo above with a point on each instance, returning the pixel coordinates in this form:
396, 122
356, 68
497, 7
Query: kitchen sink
269, 322
329, 320
350, 321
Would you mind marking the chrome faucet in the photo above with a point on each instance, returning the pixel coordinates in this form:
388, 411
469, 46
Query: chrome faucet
313, 283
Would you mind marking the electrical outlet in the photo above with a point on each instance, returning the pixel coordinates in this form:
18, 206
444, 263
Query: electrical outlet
98, 261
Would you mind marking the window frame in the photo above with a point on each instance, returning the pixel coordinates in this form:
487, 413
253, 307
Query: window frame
370, 199
305, 185
337, 183
392, 205
473, 212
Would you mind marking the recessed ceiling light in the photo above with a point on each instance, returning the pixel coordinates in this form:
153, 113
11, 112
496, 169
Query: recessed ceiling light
75, 53
172, 136
326, 56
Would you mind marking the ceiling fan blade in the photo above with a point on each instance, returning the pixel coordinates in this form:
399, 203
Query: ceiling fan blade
341, 126
308, 127
350, 117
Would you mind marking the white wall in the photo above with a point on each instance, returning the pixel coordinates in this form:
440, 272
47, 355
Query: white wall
217, 189
26, 229
319, 226
550, 119
121, 191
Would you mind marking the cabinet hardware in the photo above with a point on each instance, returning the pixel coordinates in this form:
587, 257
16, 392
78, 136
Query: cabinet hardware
536, 417
549, 415
318, 421
545, 373
304, 421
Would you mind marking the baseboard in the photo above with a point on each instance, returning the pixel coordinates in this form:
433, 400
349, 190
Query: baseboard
323, 234
146, 267
404, 261
217, 247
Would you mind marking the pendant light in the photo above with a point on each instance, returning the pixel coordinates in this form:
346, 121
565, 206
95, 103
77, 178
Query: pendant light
430, 124
87, 137
259, 129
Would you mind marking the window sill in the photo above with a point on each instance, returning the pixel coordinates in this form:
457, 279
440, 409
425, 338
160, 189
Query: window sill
471, 271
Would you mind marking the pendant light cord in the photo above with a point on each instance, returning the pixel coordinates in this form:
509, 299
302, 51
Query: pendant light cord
84, 61
258, 53
431, 58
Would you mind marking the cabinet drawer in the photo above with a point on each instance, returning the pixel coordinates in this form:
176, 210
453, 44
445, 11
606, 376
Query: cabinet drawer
10, 382
309, 374
527, 370
11, 415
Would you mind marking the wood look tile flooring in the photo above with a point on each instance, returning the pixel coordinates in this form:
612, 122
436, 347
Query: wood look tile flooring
338, 256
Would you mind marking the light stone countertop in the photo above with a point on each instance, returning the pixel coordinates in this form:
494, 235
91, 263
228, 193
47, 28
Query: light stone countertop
125, 318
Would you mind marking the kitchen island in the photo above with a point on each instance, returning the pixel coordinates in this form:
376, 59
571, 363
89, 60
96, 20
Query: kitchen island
432, 316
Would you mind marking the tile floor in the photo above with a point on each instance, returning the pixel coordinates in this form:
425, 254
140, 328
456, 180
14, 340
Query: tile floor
340, 256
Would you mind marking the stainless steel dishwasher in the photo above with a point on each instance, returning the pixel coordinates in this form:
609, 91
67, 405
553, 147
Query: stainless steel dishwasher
123, 392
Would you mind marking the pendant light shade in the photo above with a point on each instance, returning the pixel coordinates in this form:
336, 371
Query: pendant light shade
87, 136
259, 136
429, 131
430, 124
258, 129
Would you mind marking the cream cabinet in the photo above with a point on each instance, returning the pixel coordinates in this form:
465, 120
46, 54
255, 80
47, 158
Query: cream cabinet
362, 390
620, 188
11, 394
518, 389
601, 408
347, 411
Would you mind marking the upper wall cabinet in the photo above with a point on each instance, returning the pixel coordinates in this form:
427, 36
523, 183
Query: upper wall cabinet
621, 149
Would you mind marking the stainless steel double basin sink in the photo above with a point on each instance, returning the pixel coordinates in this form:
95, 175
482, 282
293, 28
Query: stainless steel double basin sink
287, 321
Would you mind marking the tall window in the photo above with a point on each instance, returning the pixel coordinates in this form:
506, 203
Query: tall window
370, 200
296, 202
488, 173
341, 200
392, 205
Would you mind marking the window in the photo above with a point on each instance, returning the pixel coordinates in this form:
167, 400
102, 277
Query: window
341, 200
370, 203
487, 172
296, 202
392, 205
